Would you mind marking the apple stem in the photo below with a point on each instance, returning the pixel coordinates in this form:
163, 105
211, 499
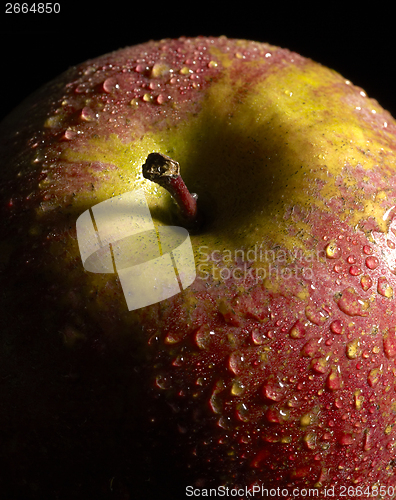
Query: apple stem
165, 172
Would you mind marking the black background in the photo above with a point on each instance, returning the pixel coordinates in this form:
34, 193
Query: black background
359, 43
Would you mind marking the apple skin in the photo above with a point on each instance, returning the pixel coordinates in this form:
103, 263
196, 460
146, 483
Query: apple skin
276, 367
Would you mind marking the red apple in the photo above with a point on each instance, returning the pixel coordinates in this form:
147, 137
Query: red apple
274, 370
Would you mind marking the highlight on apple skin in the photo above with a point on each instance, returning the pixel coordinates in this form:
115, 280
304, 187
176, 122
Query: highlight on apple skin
276, 367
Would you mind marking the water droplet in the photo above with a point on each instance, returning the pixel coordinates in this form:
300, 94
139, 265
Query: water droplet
178, 361
237, 388
203, 337
273, 390
373, 377
242, 412
367, 249
52, 121
384, 287
216, 403
353, 349
212, 64
259, 337
366, 282
320, 365
163, 98
337, 327
334, 380
275, 416
351, 259
367, 441
174, 80
333, 251
310, 348
148, 97
69, 135
318, 316
87, 114
310, 440
154, 85
351, 303
159, 69
358, 399
306, 419
355, 270
185, 71
372, 262
390, 244
297, 331
224, 423
389, 342
110, 84
346, 440
172, 338
162, 382
236, 362
142, 68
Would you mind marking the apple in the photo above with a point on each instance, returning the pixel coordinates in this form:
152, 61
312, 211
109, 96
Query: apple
273, 372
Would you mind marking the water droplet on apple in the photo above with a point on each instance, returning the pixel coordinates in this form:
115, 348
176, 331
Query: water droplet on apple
69, 134
353, 349
367, 249
178, 361
358, 399
384, 287
273, 390
320, 365
373, 377
110, 84
346, 440
159, 69
297, 331
237, 388
148, 97
311, 347
216, 403
337, 327
366, 282
306, 419
316, 315
259, 337
142, 68
372, 262
236, 362
367, 441
87, 114
351, 303
163, 98
333, 251
334, 380
203, 337
355, 270
351, 259
162, 382
242, 412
